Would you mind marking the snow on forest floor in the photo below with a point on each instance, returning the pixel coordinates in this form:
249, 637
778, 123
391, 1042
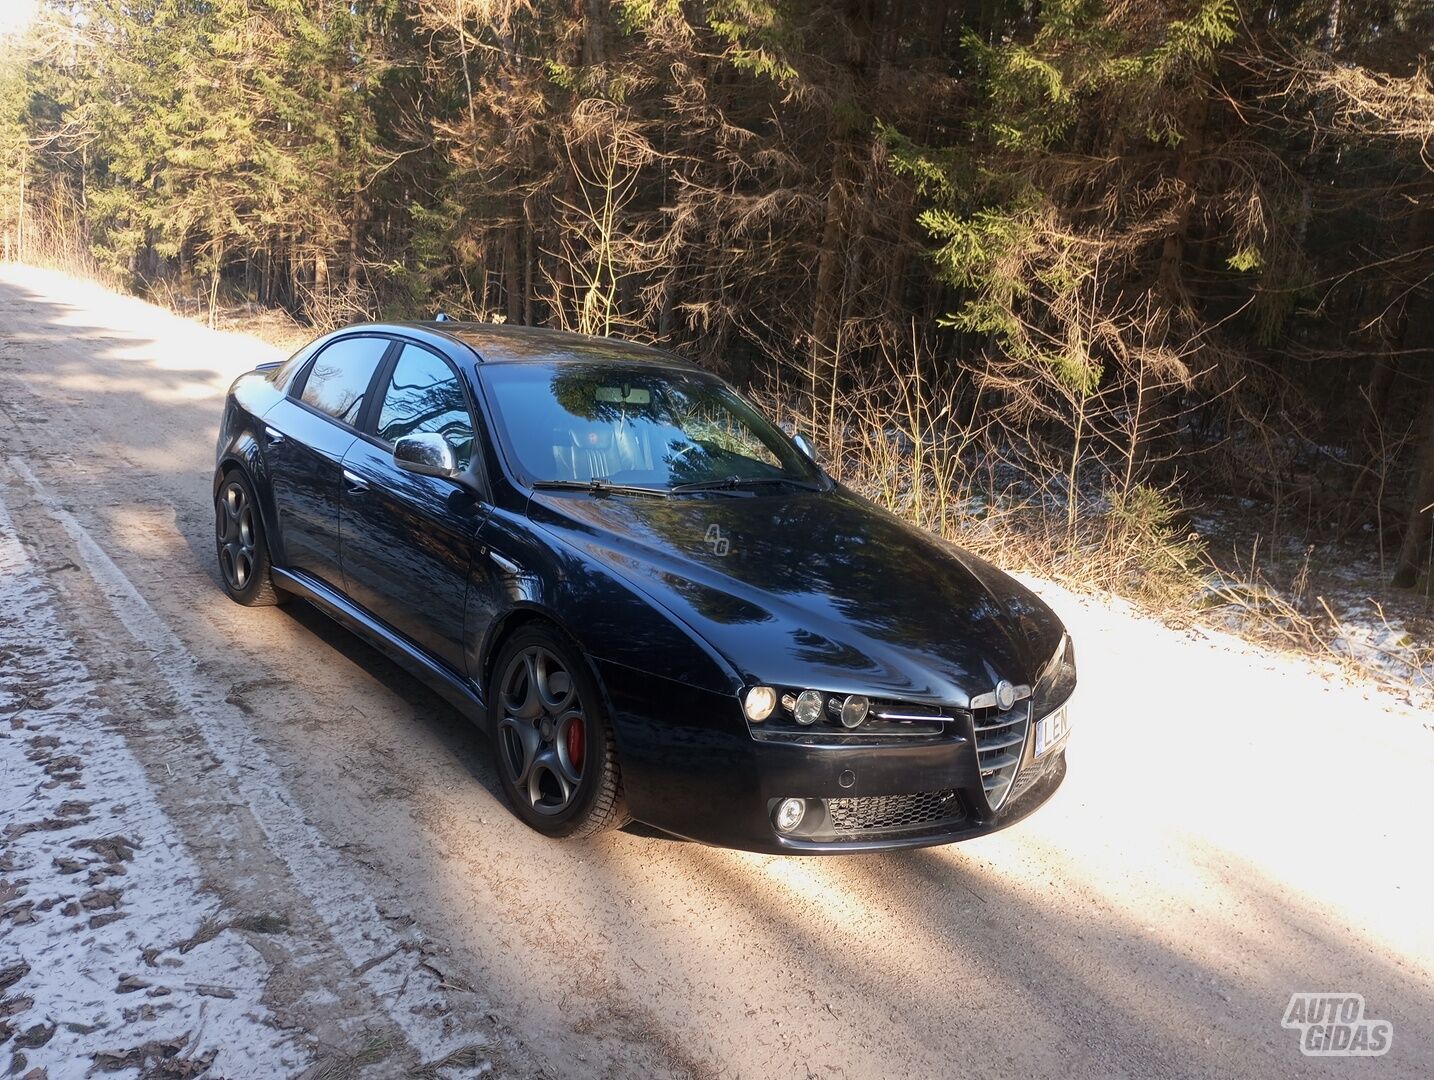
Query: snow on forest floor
1357, 620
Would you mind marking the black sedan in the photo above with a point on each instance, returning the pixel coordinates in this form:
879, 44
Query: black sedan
656, 603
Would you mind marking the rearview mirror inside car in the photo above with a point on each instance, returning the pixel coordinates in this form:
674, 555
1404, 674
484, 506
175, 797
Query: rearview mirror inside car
627, 396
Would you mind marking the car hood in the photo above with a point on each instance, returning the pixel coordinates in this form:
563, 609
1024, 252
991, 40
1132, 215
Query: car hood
818, 589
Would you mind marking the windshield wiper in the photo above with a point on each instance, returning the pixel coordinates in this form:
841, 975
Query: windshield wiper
599, 486
732, 483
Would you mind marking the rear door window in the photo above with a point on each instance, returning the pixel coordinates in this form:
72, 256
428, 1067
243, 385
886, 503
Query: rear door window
338, 382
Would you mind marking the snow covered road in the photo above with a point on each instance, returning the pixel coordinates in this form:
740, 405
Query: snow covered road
313, 870
102, 898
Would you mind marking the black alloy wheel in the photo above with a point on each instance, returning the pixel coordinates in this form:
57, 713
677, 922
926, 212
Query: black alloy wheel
556, 755
240, 544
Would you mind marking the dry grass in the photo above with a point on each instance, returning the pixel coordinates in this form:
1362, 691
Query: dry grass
343, 1065
979, 484
1297, 619
468, 1061
272, 325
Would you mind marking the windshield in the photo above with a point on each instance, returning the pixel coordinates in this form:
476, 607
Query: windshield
635, 424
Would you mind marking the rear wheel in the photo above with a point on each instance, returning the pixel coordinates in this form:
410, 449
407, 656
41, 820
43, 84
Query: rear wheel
556, 755
241, 546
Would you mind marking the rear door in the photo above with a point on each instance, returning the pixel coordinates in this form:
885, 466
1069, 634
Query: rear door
306, 436
408, 540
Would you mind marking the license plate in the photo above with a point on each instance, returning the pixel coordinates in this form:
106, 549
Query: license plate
1051, 729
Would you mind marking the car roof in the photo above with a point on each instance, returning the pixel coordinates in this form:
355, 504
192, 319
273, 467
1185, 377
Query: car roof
498, 343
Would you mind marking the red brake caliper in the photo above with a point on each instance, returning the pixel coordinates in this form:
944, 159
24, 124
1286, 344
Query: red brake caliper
575, 744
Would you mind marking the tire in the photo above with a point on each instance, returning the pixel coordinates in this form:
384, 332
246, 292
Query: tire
561, 782
240, 545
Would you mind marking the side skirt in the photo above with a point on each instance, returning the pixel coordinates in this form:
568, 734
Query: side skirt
458, 690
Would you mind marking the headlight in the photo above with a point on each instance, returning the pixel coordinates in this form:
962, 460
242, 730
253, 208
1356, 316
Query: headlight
854, 710
1058, 678
798, 711
808, 709
1063, 666
759, 703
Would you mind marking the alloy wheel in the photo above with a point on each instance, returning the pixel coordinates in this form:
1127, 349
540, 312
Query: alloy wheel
237, 533
542, 733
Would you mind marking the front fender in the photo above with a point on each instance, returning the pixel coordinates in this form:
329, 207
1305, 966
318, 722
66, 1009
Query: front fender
610, 618
672, 698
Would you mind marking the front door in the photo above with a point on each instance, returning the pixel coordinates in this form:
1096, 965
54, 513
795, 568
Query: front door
305, 438
408, 540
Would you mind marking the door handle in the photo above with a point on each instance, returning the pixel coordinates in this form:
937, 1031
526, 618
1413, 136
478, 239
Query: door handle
274, 437
357, 484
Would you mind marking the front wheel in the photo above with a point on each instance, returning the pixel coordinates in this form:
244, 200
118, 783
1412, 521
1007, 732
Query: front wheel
556, 755
242, 548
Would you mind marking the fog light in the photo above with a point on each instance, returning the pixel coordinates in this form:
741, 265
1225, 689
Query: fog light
789, 814
854, 710
759, 703
809, 707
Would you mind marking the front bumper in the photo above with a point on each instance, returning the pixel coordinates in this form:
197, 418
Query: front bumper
690, 767
921, 818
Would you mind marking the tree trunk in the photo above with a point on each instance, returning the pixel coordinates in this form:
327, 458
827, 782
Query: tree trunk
847, 130
1421, 510
594, 17
512, 271
355, 252
829, 261
1376, 395
1160, 455
1187, 166
1419, 342
527, 268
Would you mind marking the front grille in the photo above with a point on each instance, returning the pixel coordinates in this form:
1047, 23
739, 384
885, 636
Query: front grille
1000, 740
890, 812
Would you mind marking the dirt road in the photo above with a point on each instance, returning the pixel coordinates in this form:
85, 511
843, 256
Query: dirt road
1236, 827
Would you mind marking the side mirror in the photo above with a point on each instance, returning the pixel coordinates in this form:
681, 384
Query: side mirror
427, 454
805, 446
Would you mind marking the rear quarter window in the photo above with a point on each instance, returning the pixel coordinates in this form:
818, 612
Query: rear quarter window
283, 376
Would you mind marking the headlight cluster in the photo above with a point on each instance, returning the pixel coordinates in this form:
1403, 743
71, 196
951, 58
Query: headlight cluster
1057, 679
796, 711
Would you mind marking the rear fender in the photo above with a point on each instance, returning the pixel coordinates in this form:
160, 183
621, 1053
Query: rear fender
241, 441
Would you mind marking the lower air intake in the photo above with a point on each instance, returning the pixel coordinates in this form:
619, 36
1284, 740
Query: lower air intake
884, 813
